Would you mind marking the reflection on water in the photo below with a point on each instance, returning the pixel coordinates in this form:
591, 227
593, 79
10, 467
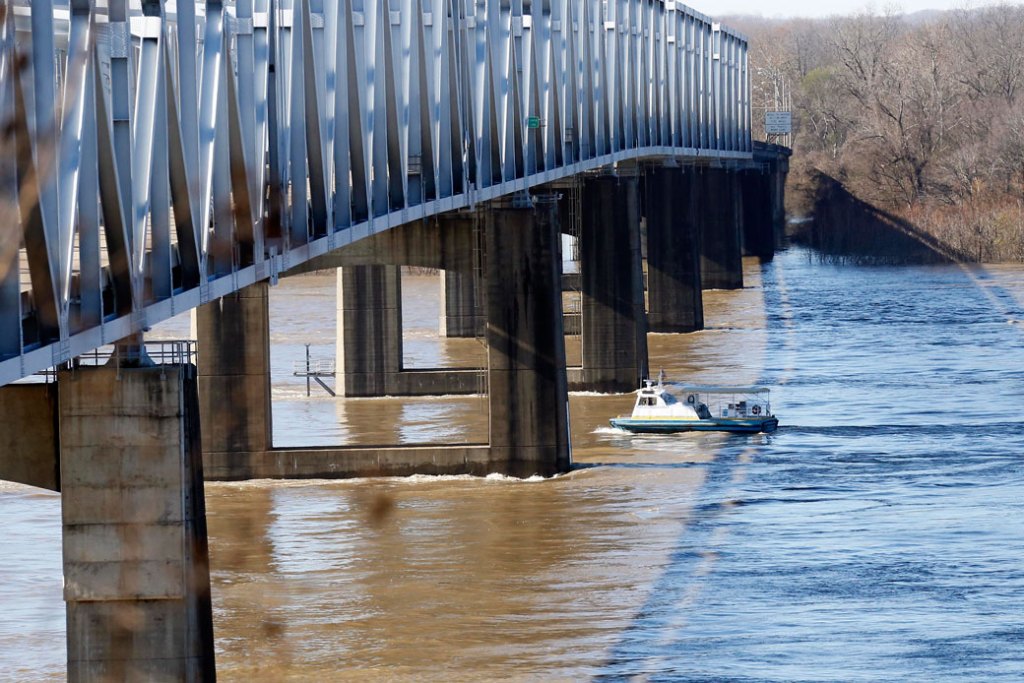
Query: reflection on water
873, 537
459, 579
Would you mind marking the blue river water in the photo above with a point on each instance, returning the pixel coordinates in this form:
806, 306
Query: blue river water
877, 536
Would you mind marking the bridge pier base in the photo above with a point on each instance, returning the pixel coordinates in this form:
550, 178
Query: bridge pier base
613, 319
136, 573
675, 302
461, 316
528, 392
721, 210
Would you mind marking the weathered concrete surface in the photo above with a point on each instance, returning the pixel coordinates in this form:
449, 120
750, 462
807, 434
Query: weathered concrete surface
234, 372
438, 382
614, 321
28, 435
675, 302
462, 314
369, 340
720, 208
136, 571
345, 462
528, 397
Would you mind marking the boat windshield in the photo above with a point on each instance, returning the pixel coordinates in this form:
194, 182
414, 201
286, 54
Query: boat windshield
669, 399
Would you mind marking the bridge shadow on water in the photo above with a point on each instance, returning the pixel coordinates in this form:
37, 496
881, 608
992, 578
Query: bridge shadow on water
846, 228
657, 645
650, 646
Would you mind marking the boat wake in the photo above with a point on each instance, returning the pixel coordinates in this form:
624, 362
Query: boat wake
614, 431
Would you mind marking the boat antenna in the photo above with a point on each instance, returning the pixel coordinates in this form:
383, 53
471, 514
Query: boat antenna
661, 377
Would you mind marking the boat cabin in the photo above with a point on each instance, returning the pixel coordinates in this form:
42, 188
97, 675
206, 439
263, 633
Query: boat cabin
654, 402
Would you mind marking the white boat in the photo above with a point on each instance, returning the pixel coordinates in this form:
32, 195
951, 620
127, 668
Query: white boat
702, 409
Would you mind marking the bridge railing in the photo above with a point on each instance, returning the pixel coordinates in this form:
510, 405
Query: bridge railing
140, 178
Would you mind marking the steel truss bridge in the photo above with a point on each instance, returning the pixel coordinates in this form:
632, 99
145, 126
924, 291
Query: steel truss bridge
158, 155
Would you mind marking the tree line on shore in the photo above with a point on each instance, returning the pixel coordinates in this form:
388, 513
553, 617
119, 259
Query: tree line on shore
918, 119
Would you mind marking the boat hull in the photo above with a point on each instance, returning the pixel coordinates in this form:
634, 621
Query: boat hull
735, 425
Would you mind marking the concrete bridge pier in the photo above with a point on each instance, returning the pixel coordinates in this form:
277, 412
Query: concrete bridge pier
613, 318
528, 390
720, 207
233, 348
758, 221
777, 196
675, 302
764, 198
369, 340
461, 314
136, 570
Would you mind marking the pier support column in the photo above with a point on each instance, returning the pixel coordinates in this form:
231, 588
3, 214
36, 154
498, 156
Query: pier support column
369, 344
28, 435
234, 377
136, 573
721, 212
461, 316
675, 302
614, 321
233, 350
758, 225
777, 199
528, 393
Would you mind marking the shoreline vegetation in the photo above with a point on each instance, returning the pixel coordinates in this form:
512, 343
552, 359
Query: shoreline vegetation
908, 131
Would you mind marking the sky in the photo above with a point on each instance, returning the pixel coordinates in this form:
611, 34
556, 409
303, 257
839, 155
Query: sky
822, 8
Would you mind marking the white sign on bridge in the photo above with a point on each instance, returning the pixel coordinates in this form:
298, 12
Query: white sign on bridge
778, 122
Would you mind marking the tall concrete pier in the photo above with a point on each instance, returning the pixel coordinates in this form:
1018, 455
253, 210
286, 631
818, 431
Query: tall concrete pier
759, 236
529, 409
461, 310
764, 199
720, 206
136, 573
614, 320
369, 340
234, 376
675, 301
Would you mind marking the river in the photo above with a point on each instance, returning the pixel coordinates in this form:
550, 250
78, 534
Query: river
877, 536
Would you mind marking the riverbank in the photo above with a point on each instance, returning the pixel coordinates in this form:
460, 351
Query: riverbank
986, 229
